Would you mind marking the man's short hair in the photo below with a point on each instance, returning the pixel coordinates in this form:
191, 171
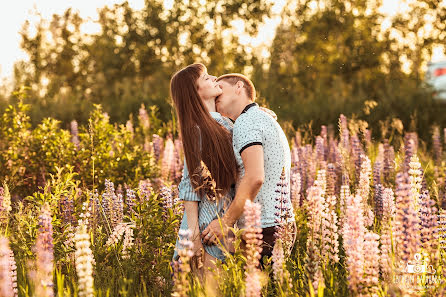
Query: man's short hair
233, 78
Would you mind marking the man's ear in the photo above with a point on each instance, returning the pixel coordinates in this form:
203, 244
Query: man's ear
239, 86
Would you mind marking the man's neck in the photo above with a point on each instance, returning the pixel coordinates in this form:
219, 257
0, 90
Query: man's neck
239, 109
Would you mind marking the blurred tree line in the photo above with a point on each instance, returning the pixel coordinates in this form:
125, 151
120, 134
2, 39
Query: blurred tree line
328, 57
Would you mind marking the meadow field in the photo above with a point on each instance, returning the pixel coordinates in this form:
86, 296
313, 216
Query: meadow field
94, 211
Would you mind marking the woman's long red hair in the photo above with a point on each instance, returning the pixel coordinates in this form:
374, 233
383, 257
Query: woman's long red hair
216, 141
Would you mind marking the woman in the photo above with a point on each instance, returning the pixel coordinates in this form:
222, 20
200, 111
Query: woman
206, 136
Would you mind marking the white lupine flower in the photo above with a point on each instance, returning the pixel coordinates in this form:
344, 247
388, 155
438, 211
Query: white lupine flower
415, 180
84, 262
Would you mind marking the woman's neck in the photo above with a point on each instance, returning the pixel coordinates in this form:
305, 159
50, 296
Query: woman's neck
210, 104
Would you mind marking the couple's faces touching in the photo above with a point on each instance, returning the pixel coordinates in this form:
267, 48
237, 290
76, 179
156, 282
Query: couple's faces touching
222, 92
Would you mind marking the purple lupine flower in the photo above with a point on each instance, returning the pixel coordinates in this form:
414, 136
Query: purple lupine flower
357, 152
441, 229
320, 150
331, 179
165, 195
157, 143
130, 199
253, 237
436, 141
388, 162
407, 225
8, 270
379, 204
388, 205
117, 210
377, 169
428, 222
67, 209
145, 190
44, 254
409, 150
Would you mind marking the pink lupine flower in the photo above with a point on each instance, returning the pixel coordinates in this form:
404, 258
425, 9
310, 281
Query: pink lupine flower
353, 234
278, 258
74, 133
330, 245
320, 150
143, 117
357, 152
410, 149
295, 187
385, 258
388, 205
8, 270
168, 164
253, 237
5, 204
129, 127
371, 265
178, 162
363, 189
44, 254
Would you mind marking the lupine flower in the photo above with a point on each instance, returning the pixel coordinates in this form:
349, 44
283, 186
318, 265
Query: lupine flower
74, 133
295, 187
407, 221
117, 210
385, 260
84, 262
441, 229
157, 143
379, 203
428, 222
331, 179
344, 133
371, 265
128, 241
368, 138
8, 270
409, 150
168, 164
353, 234
143, 117
278, 260
364, 189
436, 141
344, 194
178, 161
388, 204
253, 237
181, 287
315, 203
130, 199
357, 153
310, 164
44, 254
283, 212
117, 234
320, 150
67, 209
415, 180
388, 163
129, 127
145, 190
5, 204
330, 245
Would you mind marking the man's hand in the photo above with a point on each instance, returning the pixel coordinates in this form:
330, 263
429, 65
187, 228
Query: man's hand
213, 232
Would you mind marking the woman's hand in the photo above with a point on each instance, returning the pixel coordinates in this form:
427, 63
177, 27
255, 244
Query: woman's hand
198, 252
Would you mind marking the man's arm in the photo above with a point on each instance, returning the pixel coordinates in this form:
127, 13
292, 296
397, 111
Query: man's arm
249, 186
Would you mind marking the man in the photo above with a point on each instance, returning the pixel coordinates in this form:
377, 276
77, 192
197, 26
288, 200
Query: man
262, 152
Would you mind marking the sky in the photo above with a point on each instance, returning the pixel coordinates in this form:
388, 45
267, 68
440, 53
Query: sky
14, 13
